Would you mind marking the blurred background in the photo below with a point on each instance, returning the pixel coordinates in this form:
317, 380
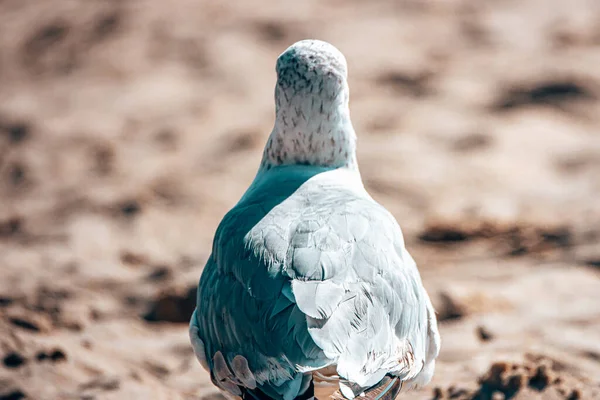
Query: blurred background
129, 128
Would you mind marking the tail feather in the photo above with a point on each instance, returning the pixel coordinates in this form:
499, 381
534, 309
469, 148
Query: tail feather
323, 387
387, 389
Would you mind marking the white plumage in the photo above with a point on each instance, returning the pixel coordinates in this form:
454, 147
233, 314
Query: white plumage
308, 272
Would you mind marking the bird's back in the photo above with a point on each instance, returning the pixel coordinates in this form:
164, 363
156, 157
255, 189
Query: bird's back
308, 271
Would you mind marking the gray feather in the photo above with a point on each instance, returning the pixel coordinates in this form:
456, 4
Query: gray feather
292, 288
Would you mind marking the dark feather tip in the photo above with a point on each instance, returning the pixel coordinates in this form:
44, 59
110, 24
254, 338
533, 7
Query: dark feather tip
387, 389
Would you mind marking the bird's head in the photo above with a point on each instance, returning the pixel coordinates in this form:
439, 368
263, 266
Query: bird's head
311, 70
312, 125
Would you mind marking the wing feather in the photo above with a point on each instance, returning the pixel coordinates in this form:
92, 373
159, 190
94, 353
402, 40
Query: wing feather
308, 274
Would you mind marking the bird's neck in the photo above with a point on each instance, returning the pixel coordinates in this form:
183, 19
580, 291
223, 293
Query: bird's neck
311, 130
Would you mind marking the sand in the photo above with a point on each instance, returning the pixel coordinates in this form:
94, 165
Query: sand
128, 128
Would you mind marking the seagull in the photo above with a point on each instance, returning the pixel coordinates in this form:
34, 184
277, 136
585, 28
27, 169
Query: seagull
309, 292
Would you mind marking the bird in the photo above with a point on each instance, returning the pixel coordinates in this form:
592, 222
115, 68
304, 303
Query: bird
309, 291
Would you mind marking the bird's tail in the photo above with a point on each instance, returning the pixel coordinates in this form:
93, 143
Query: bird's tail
387, 389
325, 386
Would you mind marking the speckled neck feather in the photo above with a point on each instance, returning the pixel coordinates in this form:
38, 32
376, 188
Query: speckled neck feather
312, 125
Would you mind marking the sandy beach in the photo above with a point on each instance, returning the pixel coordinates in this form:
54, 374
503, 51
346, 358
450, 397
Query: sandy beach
129, 128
